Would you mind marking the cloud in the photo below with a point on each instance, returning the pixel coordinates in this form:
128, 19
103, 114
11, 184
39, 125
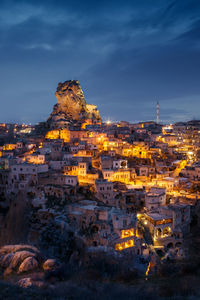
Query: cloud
126, 54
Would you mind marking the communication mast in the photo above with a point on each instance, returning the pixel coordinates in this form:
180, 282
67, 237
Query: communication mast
157, 113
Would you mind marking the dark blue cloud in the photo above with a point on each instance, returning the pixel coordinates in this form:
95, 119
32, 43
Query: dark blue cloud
126, 54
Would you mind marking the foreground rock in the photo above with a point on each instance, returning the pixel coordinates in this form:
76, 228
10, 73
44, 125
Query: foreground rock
29, 264
19, 258
15, 248
25, 282
50, 265
30, 282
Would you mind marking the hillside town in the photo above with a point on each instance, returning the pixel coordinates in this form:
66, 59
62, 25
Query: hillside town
124, 189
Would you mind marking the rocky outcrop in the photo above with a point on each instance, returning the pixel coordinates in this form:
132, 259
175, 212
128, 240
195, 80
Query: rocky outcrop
17, 248
30, 282
25, 282
26, 261
29, 264
71, 107
19, 258
50, 265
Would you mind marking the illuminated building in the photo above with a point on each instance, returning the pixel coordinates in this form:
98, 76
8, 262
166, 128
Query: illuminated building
35, 159
9, 147
128, 239
124, 245
160, 226
63, 134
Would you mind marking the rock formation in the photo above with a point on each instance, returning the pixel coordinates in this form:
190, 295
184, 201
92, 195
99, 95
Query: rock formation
24, 258
19, 258
71, 107
50, 264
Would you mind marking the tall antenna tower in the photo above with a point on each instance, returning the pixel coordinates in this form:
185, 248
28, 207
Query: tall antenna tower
157, 113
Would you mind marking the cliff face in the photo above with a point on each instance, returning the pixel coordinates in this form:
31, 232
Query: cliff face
71, 106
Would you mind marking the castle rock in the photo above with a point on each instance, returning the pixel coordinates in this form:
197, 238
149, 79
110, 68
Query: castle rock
71, 107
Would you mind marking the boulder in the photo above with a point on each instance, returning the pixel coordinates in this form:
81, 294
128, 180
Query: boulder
19, 257
25, 282
15, 248
29, 264
5, 260
30, 282
50, 264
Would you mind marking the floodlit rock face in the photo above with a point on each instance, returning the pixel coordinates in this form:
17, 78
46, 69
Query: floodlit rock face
71, 106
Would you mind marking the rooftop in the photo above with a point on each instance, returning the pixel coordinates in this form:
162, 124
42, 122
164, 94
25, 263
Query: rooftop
157, 216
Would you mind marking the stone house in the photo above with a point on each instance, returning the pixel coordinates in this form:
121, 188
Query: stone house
155, 198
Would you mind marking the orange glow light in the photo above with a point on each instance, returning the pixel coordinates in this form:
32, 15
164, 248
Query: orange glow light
127, 233
124, 245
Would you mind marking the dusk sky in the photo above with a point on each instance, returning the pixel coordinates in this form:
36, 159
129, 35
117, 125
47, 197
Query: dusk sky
127, 55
